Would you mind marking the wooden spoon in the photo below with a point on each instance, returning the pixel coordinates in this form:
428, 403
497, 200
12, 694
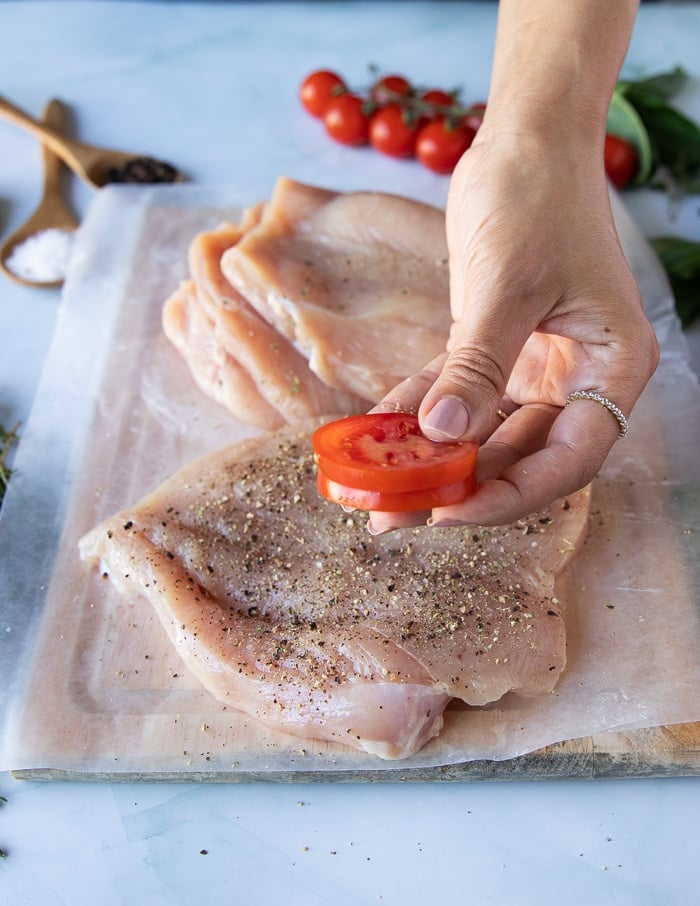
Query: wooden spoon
96, 166
52, 212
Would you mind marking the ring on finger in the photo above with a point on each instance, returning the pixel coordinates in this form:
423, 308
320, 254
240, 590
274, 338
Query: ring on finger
596, 397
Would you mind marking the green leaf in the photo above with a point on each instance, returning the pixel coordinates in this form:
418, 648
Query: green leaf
662, 87
675, 139
624, 121
8, 438
681, 259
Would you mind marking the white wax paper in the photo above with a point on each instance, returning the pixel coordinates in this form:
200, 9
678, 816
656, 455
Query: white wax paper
91, 686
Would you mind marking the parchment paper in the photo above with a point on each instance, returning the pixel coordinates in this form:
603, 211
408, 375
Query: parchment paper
91, 685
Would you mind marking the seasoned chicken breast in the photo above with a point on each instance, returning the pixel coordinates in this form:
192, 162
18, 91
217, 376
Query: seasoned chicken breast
286, 608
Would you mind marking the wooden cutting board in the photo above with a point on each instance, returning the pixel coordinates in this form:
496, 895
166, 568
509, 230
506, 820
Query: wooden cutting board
657, 752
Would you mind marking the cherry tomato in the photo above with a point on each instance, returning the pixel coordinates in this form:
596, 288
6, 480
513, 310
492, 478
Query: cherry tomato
475, 118
346, 121
439, 146
437, 98
318, 88
620, 161
388, 502
387, 451
385, 90
390, 134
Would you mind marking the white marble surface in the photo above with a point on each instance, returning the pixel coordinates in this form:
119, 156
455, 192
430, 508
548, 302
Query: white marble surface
212, 87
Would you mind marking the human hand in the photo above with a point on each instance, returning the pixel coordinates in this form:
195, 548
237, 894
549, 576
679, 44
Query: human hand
543, 304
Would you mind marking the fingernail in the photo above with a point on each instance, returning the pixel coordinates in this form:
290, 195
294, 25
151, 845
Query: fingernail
375, 531
444, 523
448, 419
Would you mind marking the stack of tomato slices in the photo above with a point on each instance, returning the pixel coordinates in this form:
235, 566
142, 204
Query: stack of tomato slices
382, 461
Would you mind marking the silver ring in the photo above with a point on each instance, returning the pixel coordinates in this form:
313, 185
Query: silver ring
604, 401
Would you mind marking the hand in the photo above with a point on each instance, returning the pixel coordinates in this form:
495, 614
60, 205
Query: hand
543, 304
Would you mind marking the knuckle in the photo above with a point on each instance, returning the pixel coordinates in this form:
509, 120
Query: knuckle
469, 368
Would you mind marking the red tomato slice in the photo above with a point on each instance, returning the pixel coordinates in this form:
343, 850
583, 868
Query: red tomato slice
387, 452
389, 502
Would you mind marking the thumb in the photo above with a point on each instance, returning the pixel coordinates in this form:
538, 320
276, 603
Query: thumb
462, 402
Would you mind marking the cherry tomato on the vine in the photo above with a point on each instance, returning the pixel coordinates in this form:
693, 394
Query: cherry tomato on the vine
384, 91
390, 133
345, 120
438, 99
395, 116
318, 88
475, 118
439, 146
620, 161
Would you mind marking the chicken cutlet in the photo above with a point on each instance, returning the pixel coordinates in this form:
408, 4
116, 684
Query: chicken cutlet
338, 273
233, 354
284, 607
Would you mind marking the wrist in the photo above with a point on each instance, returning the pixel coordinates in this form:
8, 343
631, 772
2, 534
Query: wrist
556, 65
568, 119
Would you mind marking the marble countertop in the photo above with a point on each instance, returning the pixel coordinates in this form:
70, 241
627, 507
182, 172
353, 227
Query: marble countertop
213, 88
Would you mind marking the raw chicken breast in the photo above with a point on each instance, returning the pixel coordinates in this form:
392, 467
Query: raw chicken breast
233, 354
218, 374
286, 608
358, 282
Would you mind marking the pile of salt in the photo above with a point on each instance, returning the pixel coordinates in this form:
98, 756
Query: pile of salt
42, 257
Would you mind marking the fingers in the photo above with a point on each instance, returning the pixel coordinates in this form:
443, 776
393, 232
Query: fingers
573, 452
539, 454
407, 396
381, 522
520, 435
511, 440
460, 403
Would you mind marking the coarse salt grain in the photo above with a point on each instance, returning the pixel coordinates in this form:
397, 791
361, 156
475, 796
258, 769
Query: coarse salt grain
42, 257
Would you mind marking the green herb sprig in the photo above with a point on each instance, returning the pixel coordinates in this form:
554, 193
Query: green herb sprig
8, 439
681, 259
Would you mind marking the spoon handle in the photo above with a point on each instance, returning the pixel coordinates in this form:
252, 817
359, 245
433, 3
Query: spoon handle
52, 139
55, 116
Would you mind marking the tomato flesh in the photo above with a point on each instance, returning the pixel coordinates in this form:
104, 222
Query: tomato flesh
394, 502
387, 452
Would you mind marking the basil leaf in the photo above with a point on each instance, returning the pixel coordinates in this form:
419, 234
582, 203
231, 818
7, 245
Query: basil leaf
675, 139
661, 87
681, 259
